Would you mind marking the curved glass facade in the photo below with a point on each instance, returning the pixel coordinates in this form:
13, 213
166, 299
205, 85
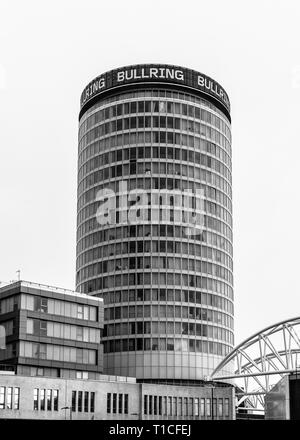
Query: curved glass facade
168, 293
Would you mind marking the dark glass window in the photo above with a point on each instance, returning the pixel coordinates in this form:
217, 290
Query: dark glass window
120, 403
126, 403
9, 398
16, 398
55, 400
108, 403
80, 401
86, 401
141, 106
92, 402
114, 403
35, 399
49, 400
42, 399
133, 107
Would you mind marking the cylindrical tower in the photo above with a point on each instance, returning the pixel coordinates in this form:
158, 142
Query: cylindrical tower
154, 225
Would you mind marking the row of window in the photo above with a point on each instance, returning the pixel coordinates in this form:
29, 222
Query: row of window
168, 328
162, 262
201, 297
172, 327
157, 216
136, 231
7, 328
64, 373
132, 122
186, 406
45, 399
148, 279
148, 169
161, 124
168, 311
167, 344
151, 247
179, 208
167, 138
7, 305
168, 263
57, 353
177, 205
94, 156
184, 209
9, 352
117, 403
141, 214
148, 230
163, 107
179, 170
58, 307
9, 397
63, 331
169, 295
83, 401
166, 94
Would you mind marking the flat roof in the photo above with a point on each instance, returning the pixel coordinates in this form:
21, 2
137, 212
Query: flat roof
6, 286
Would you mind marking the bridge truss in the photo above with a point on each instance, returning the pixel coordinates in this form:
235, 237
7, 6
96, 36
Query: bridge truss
261, 361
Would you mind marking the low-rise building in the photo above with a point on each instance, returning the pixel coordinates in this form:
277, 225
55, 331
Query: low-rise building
110, 398
51, 331
51, 364
282, 402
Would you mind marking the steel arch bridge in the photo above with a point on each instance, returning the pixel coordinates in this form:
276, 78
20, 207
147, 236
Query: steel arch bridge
261, 361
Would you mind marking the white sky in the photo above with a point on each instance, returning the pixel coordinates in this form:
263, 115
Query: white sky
50, 50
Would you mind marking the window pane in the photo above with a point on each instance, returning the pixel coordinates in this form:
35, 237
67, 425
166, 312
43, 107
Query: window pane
120, 403
114, 403
42, 400
220, 407
92, 313
36, 399
86, 401
196, 407
108, 403
92, 402
202, 408
80, 401
29, 326
73, 401
16, 398
2, 397
126, 403
208, 407
55, 400
9, 398
49, 400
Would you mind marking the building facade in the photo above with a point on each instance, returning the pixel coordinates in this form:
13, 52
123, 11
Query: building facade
154, 220
110, 398
282, 402
50, 331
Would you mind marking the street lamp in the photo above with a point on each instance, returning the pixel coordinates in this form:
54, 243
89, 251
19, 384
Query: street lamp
212, 401
70, 408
